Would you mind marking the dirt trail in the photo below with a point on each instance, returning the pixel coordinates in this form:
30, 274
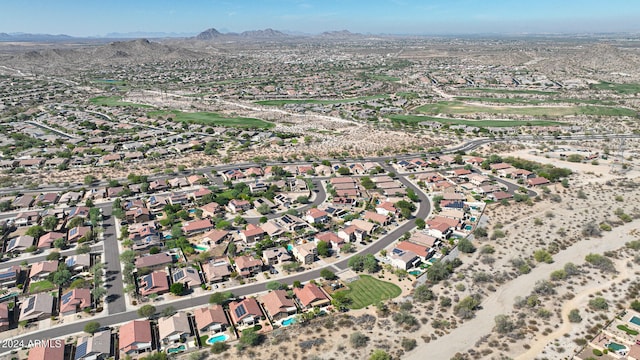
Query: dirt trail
466, 335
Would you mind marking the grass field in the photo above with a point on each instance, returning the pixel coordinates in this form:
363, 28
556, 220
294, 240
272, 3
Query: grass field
619, 88
416, 119
512, 91
212, 119
368, 290
519, 100
318, 101
458, 107
381, 77
40, 286
114, 101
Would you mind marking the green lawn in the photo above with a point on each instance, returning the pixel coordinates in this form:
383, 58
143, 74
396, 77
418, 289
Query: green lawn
317, 101
513, 91
416, 119
381, 77
368, 290
519, 100
212, 119
459, 107
628, 89
114, 101
40, 286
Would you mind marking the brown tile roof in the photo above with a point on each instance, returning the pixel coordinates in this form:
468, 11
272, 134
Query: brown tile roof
309, 294
136, 331
276, 302
251, 308
49, 352
206, 316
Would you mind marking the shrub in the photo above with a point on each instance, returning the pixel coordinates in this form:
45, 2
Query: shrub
599, 303
466, 246
408, 344
574, 316
597, 352
422, 293
600, 262
358, 340
542, 256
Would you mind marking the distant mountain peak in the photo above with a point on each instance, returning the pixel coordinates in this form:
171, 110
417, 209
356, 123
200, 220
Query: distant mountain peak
209, 34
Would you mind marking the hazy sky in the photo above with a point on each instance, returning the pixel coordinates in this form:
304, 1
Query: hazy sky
98, 17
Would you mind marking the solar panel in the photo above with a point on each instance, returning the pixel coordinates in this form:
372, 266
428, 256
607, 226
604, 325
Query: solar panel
67, 297
71, 261
148, 280
191, 271
12, 244
73, 231
178, 275
81, 350
397, 251
240, 311
7, 275
30, 303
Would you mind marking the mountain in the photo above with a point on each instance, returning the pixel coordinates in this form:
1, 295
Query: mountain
209, 34
144, 34
34, 37
266, 33
339, 34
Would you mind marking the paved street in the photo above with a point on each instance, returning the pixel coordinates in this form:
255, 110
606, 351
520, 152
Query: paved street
115, 289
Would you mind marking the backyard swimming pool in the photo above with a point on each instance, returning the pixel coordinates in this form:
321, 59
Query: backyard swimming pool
415, 272
288, 321
635, 320
468, 227
176, 349
217, 338
617, 348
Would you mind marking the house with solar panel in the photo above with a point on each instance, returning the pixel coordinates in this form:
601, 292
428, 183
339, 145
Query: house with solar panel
78, 211
210, 319
79, 262
154, 283
46, 241
188, 276
96, 347
404, 259
9, 276
19, 244
174, 328
79, 232
75, 301
36, 307
135, 337
245, 312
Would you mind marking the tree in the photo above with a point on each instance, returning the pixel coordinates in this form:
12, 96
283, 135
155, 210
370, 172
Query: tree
89, 179
50, 222
466, 246
466, 307
380, 355
542, 256
177, 288
62, 275
220, 298
323, 248
347, 248
169, 311
343, 170
75, 222
422, 293
91, 327
635, 305
231, 249
599, 303
358, 339
218, 347
302, 199
35, 231
54, 255
83, 249
503, 325
147, 311
250, 337
328, 274
574, 316
420, 223
275, 285
263, 209
438, 271
79, 283
128, 256
340, 300
98, 292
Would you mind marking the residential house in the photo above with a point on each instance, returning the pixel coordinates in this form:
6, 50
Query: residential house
282, 199
273, 229
311, 296
46, 241
376, 218
365, 226
245, 312
36, 307
78, 262
292, 223
477, 179
22, 202
135, 337
215, 237
188, 276
196, 179
154, 283
210, 319
252, 234
48, 351
45, 199
178, 182
352, 233
197, 226
418, 249
278, 305
211, 209
499, 196
404, 259
19, 244
235, 206
94, 347
316, 216
217, 270
305, 253
74, 301
70, 197
452, 214
78, 211
178, 199
386, 208
537, 181
139, 215
174, 328
9, 276
200, 193
79, 232
274, 256
27, 218
248, 266
157, 185
42, 269
332, 239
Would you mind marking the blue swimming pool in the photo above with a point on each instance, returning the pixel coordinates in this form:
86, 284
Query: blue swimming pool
217, 338
635, 320
473, 219
468, 227
617, 348
176, 349
289, 321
